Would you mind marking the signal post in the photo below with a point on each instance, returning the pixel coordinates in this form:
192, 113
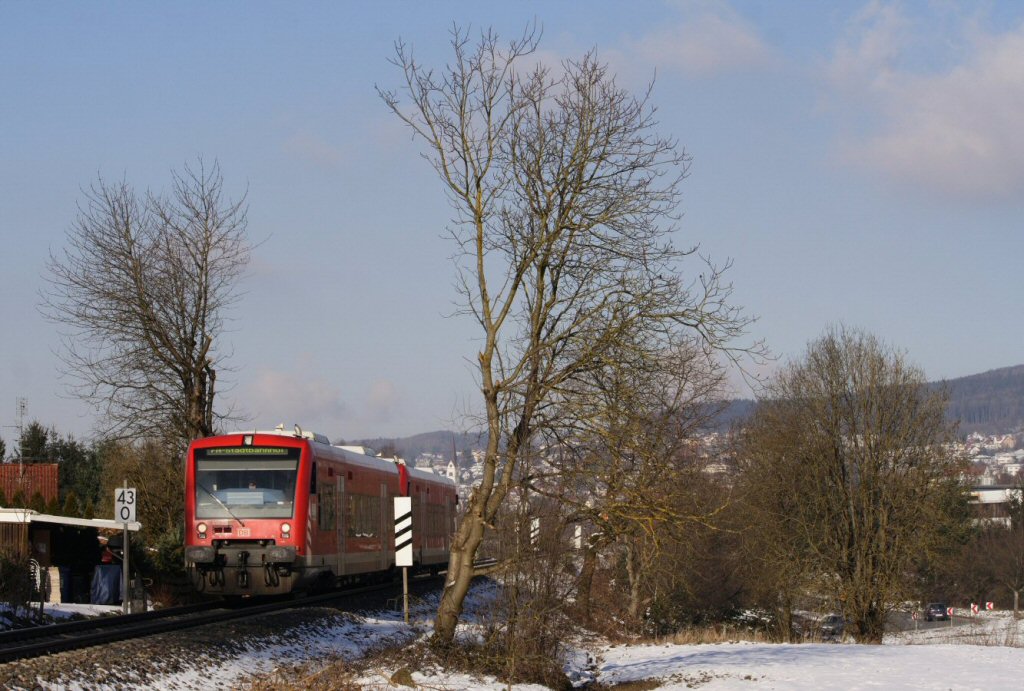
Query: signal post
403, 545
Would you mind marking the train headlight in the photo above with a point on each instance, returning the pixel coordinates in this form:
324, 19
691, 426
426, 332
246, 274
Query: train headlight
286, 528
201, 529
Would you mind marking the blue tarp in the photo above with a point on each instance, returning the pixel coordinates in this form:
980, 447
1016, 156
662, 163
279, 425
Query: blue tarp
106, 585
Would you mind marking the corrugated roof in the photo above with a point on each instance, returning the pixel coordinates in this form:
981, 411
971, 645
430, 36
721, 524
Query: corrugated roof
30, 516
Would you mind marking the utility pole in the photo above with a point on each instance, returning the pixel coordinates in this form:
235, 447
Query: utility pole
21, 404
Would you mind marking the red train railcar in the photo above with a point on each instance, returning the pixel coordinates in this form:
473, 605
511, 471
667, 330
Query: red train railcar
272, 512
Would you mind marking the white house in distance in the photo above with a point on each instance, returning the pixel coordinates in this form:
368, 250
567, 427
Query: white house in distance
991, 502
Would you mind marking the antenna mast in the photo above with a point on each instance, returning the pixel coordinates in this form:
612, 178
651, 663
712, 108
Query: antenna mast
22, 404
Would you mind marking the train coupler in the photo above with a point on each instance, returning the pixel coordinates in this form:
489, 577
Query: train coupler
243, 572
215, 578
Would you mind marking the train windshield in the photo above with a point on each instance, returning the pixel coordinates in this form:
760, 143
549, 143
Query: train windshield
246, 482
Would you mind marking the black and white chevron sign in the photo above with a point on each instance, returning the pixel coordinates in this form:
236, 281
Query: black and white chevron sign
403, 531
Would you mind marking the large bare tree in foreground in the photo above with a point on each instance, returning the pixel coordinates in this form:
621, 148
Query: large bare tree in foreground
141, 290
851, 476
564, 198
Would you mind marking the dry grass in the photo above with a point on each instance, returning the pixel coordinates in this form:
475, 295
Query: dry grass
292, 679
715, 633
391, 666
341, 675
636, 685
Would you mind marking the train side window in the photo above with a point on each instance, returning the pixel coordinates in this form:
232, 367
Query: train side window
326, 519
365, 515
312, 479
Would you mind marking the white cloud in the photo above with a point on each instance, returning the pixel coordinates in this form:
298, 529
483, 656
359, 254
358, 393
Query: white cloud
707, 44
867, 55
952, 131
381, 402
313, 149
299, 396
277, 396
704, 40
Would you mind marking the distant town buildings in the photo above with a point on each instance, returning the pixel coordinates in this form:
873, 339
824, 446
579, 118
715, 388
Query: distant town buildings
995, 459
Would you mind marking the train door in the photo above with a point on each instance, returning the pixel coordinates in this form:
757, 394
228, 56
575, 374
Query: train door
422, 517
340, 526
386, 528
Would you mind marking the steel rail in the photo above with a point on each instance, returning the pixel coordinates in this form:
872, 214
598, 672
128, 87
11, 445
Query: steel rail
13, 636
86, 633
101, 630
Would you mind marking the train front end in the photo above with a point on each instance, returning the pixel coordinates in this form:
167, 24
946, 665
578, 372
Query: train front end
245, 527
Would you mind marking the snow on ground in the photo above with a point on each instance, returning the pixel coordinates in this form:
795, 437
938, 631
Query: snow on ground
343, 638
815, 666
967, 656
978, 654
974, 653
56, 612
67, 610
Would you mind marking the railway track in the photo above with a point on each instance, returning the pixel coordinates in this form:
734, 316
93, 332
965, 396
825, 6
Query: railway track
20, 644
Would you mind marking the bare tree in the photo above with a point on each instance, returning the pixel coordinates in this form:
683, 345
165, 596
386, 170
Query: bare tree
993, 558
852, 456
141, 290
158, 474
997, 555
778, 568
626, 466
564, 197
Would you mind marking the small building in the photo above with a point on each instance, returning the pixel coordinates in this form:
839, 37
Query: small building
991, 503
66, 548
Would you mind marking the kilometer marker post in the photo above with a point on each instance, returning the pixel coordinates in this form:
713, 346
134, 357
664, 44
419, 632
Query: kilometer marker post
403, 545
124, 512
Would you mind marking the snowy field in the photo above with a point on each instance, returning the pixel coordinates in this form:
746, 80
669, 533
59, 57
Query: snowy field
816, 666
967, 656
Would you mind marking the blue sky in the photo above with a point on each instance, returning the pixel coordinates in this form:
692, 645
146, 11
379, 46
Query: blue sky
859, 162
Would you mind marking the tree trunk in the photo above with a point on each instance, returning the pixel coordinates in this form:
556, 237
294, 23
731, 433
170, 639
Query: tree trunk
633, 571
460, 572
787, 618
869, 625
586, 582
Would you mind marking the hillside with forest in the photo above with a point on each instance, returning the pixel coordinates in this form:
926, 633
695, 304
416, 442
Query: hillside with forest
439, 444
988, 403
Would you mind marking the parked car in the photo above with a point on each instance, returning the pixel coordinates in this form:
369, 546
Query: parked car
936, 611
832, 627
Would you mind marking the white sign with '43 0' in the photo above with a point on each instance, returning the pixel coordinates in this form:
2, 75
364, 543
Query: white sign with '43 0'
124, 504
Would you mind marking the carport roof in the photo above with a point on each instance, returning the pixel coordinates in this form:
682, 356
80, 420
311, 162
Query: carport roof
30, 516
